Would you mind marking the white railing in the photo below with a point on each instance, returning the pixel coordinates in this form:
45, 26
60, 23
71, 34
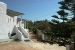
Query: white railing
18, 34
24, 32
21, 33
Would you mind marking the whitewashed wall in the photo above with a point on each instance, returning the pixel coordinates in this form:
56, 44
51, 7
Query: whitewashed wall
11, 21
6, 22
20, 24
3, 31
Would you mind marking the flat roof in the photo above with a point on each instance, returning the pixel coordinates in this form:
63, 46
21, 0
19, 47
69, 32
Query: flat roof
13, 13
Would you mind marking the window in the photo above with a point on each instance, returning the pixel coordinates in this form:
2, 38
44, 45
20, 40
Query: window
8, 20
13, 19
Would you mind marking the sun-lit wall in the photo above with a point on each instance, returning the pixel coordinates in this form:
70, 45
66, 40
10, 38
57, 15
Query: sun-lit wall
6, 22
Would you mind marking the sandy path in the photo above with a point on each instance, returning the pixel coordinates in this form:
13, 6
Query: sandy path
35, 45
13, 45
42, 46
29, 46
46, 46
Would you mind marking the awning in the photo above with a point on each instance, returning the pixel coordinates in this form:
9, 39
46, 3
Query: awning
13, 13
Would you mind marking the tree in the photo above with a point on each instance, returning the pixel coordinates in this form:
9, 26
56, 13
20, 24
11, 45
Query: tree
64, 28
42, 25
63, 15
30, 25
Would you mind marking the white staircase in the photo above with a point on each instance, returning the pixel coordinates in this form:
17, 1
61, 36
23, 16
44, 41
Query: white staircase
24, 32
21, 34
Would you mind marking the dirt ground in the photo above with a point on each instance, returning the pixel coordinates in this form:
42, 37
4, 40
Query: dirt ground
34, 45
44, 46
13, 45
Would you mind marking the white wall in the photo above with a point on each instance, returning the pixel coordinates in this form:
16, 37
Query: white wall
20, 24
6, 22
3, 8
11, 21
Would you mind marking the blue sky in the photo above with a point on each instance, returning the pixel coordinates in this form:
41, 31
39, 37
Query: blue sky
34, 9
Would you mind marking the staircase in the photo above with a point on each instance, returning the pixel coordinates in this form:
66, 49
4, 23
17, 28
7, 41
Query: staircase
21, 34
24, 33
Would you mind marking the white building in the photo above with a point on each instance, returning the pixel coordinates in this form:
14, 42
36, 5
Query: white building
8, 24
